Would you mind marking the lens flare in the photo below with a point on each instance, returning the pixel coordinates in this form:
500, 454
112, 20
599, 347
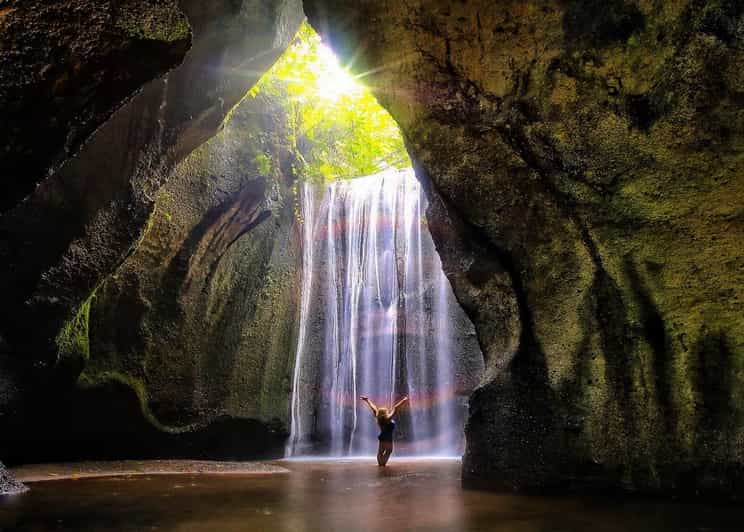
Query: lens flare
333, 80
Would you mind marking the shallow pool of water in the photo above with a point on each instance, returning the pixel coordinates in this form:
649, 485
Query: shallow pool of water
339, 495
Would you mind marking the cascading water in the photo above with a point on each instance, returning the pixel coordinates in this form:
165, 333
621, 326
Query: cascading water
377, 318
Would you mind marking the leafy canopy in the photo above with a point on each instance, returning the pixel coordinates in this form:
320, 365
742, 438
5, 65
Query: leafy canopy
338, 127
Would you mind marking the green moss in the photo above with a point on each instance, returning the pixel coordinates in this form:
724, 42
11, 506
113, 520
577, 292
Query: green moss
87, 380
263, 162
73, 340
143, 20
148, 225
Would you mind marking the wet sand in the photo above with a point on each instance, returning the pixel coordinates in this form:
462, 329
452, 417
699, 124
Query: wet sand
76, 470
417, 495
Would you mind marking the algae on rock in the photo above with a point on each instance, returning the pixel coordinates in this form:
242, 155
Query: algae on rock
594, 150
199, 320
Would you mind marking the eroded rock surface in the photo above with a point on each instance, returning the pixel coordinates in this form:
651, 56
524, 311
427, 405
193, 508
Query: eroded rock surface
594, 149
193, 335
79, 224
64, 67
589, 159
8, 484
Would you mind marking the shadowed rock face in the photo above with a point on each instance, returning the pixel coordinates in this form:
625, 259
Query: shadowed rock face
589, 160
78, 225
201, 318
65, 66
186, 350
592, 153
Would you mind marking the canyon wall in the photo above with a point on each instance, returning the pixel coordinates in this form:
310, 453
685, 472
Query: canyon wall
591, 153
187, 347
585, 165
97, 190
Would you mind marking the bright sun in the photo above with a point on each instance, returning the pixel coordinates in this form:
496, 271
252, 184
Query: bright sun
333, 80
335, 123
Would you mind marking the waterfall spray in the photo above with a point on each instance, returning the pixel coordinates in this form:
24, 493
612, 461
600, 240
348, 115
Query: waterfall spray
374, 319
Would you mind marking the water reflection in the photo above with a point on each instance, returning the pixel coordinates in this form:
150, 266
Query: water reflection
335, 496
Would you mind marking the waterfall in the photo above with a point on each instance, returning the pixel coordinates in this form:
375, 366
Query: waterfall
377, 318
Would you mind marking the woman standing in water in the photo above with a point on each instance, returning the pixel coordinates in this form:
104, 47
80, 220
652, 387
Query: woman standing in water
387, 426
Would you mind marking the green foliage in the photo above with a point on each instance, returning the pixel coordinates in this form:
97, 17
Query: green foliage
338, 128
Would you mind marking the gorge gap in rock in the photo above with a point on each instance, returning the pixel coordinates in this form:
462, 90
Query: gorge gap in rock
589, 179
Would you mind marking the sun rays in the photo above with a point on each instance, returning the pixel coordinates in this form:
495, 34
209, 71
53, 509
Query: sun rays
339, 128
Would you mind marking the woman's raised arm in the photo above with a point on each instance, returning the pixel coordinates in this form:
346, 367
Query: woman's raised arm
370, 404
399, 403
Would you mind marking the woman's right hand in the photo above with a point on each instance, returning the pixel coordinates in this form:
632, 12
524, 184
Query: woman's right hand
364, 398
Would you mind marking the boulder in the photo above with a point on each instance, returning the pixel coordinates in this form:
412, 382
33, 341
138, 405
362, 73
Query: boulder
8, 484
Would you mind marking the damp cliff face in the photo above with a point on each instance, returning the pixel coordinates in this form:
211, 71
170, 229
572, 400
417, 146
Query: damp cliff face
591, 155
199, 321
186, 349
81, 221
589, 159
66, 66
97, 188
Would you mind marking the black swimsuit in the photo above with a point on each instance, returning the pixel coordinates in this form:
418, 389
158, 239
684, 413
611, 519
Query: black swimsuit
386, 431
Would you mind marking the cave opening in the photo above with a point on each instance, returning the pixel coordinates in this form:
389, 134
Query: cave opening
166, 230
377, 316
336, 127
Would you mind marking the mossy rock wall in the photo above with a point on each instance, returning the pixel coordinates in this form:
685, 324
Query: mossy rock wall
97, 193
90, 211
200, 320
195, 332
593, 150
65, 67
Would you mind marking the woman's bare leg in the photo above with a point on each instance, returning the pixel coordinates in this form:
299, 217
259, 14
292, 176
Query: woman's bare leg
381, 460
389, 454
383, 453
